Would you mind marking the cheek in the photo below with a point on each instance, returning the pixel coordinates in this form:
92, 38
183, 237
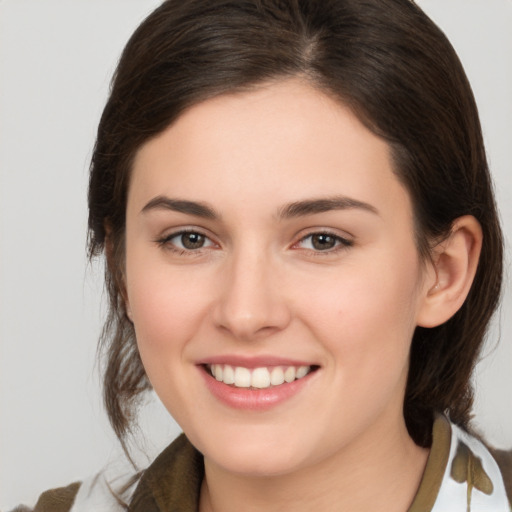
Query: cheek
167, 314
366, 314
167, 307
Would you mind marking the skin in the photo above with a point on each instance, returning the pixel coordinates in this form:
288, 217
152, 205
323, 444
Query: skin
258, 287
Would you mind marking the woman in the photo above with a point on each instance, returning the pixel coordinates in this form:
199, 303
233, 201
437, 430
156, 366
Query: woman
303, 254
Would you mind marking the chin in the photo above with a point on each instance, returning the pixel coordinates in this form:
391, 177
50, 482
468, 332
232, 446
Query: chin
259, 465
253, 455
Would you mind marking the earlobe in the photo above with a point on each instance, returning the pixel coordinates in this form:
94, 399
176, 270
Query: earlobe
455, 261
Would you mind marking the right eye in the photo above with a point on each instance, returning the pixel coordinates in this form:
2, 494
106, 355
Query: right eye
186, 241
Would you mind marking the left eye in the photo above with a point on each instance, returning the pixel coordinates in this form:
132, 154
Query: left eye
189, 240
323, 242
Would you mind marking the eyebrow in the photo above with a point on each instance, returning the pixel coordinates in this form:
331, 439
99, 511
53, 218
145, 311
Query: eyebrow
197, 209
313, 206
291, 210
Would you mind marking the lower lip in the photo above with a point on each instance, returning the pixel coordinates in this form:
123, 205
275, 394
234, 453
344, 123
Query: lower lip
254, 399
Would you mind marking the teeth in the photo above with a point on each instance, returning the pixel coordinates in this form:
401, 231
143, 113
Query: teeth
289, 374
242, 377
229, 375
276, 376
217, 372
302, 371
260, 378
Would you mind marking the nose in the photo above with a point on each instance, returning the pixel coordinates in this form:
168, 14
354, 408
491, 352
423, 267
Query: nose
251, 303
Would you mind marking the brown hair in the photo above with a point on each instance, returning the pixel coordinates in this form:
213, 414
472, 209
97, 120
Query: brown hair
393, 67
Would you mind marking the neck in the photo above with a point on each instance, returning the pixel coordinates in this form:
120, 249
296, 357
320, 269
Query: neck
358, 478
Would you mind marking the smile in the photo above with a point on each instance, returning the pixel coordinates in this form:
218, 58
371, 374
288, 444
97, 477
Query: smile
256, 384
257, 378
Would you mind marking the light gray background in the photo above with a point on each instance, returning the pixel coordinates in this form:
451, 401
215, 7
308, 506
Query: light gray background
56, 59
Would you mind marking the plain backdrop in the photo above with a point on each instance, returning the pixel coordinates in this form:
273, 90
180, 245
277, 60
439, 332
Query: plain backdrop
56, 60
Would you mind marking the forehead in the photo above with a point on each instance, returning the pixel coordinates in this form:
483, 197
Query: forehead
278, 143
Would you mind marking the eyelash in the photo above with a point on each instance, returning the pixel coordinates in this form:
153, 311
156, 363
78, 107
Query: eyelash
341, 243
165, 242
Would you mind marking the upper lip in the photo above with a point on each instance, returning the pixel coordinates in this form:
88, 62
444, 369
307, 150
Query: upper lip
253, 361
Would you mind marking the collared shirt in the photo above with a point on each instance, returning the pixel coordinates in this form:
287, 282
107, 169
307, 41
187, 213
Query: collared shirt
461, 475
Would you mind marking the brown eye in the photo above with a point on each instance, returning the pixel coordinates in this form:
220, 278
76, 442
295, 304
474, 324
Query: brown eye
186, 242
192, 240
323, 242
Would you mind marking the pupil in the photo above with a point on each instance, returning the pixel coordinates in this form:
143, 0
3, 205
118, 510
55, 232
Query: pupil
323, 242
192, 240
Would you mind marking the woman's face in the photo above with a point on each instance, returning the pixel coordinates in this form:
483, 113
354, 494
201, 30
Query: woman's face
269, 240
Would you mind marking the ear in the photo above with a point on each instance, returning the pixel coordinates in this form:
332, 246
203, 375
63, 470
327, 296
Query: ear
454, 263
115, 266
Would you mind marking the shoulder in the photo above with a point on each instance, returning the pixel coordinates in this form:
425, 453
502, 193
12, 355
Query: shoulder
171, 482
463, 473
57, 500
484, 468
106, 491
103, 492
504, 461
